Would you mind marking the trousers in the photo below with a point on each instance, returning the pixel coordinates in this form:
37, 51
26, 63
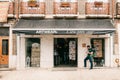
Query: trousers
88, 57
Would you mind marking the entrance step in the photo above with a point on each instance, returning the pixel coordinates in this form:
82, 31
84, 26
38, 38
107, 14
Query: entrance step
3, 66
64, 69
7, 69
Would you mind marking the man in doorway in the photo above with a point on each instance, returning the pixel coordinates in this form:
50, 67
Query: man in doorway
89, 57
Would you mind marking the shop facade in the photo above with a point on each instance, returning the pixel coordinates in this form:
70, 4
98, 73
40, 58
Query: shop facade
62, 46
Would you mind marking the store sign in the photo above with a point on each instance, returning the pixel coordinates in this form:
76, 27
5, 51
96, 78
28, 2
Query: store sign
63, 32
46, 32
37, 32
4, 11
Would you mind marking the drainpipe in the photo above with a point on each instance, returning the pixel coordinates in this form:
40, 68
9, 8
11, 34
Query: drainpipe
17, 2
113, 7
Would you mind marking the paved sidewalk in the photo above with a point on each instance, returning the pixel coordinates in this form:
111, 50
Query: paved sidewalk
61, 74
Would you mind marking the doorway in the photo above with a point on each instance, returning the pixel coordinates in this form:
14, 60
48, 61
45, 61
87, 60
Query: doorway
32, 52
4, 52
65, 52
98, 47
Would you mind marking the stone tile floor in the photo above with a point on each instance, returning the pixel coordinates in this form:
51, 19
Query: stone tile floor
61, 74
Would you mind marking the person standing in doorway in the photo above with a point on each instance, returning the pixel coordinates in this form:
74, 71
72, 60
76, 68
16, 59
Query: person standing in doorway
89, 57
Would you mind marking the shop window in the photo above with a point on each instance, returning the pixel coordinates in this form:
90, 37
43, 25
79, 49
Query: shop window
5, 47
33, 3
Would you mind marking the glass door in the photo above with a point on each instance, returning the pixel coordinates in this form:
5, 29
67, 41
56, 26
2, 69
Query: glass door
98, 48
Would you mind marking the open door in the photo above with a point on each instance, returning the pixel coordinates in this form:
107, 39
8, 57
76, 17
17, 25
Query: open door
4, 52
65, 52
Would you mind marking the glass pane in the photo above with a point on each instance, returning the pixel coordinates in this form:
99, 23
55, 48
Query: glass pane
32, 52
5, 47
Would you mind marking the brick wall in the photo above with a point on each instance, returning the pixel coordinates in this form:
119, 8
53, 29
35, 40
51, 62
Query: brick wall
91, 9
11, 8
25, 9
72, 9
48, 8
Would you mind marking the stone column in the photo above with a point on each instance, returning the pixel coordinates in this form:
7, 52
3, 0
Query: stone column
81, 8
16, 8
111, 49
20, 52
49, 8
107, 52
118, 29
11, 64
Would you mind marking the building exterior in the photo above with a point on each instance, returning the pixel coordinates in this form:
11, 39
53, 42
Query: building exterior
55, 33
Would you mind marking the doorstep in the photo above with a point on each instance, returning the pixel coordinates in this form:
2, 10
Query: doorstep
65, 69
7, 69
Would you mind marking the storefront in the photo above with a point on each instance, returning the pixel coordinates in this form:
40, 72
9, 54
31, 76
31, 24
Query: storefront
62, 43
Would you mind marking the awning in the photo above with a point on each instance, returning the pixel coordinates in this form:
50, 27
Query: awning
63, 26
4, 11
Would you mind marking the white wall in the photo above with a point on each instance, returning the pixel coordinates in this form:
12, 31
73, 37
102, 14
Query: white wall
46, 51
118, 0
117, 51
12, 58
20, 52
118, 29
118, 56
12, 61
107, 52
82, 50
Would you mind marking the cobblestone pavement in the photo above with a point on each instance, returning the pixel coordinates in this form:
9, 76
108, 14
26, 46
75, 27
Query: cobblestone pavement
61, 74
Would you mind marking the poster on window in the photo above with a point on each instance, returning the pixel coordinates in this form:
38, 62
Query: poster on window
72, 51
98, 47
